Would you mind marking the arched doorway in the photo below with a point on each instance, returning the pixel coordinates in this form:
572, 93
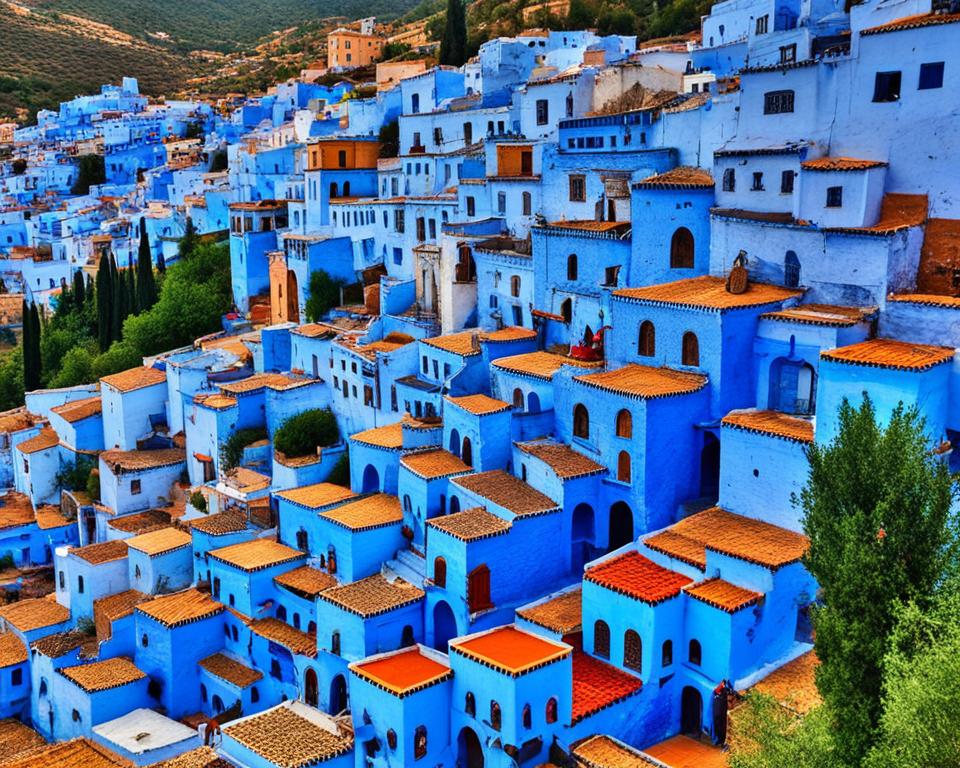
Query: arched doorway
621, 525
791, 386
293, 301
469, 750
338, 695
455, 442
710, 466
466, 455
581, 537
310, 688
533, 403
371, 479
691, 712
681, 249
444, 626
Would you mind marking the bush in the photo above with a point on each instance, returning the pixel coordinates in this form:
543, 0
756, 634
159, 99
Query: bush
198, 501
340, 474
232, 450
93, 485
300, 435
76, 476
324, 294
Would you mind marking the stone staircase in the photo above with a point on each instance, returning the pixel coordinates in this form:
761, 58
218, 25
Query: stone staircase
409, 566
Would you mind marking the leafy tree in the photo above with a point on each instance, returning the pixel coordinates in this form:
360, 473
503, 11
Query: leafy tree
198, 501
79, 288
146, 287
75, 476
340, 474
389, 138
877, 511
324, 294
18, 166
189, 240
768, 735
453, 47
133, 299
120, 357
121, 302
11, 379
104, 302
93, 484
232, 450
32, 365
76, 367
300, 435
90, 172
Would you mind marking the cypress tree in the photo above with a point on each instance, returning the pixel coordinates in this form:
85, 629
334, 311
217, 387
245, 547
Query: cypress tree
31, 347
187, 243
120, 304
79, 290
146, 288
25, 341
104, 296
453, 47
133, 301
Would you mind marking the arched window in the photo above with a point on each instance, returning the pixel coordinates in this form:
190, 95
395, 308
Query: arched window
601, 639
695, 654
495, 716
296, 620
303, 540
791, 270
666, 653
334, 190
515, 285
335, 643
466, 453
420, 742
518, 399
144, 640
624, 423
572, 266
527, 203
282, 612
681, 249
203, 693
566, 310
632, 651
470, 704
440, 572
527, 716
647, 343
454, 505
581, 421
392, 739
623, 467
552, 709
407, 637
407, 504
691, 349
346, 189
254, 694
234, 634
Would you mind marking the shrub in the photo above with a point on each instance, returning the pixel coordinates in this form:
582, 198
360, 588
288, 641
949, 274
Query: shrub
198, 501
324, 294
340, 474
301, 434
93, 485
76, 476
232, 450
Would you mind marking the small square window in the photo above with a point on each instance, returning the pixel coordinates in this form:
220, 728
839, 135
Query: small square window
886, 87
931, 76
134, 486
757, 182
834, 197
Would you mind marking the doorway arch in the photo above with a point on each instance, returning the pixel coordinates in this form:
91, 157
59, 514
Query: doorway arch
469, 749
444, 626
338, 695
311, 688
582, 536
455, 442
710, 466
293, 298
371, 479
691, 712
621, 525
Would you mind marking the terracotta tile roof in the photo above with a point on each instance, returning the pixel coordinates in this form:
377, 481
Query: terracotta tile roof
772, 423
220, 524
913, 22
682, 751
79, 753
510, 650
160, 542
104, 675
939, 258
389, 436
508, 333
561, 614
135, 378
470, 524
60, 644
246, 480
306, 581
683, 177
218, 402
890, 353
231, 670
605, 752
403, 673
708, 293
18, 739
107, 610
822, 314
78, 410
589, 225
201, 757
897, 212
277, 381
636, 576
723, 595
373, 595
793, 684
505, 490
17, 420
141, 522
135, 461
43, 441
465, 344
102, 552
479, 405
181, 608
256, 554
16, 510
49, 517
34, 613
433, 464
539, 365
927, 299
644, 381
734, 535
12, 649
289, 637
317, 495
597, 685
841, 164
561, 458
268, 735
369, 512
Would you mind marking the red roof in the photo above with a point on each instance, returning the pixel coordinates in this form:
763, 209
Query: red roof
636, 576
597, 685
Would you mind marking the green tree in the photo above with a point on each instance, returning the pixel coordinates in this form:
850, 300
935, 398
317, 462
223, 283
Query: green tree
79, 289
324, 294
18, 166
121, 302
32, 366
146, 287
453, 47
90, 172
189, 240
104, 295
389, 138
768, 735
302, 434
876, 508
11, 379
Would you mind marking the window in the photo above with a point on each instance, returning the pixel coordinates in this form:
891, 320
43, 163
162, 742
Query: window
398, 255
468, 133
601, 639
763, 23
16, 677
757, 185
517, 312
398, 222
647, 342
886, 86
578, 188
335, 643
527, 203
543, 111
791, 270
569, 105
275, 669
438, 140
76, 716
420, 742
421, 228
788, 53
729, 180
931, 76
581, 421
342, 158
834, 197
495, 716
471, 206
777, 102
80, 584
566, 310
691, 349
136, 572
501, 202
392, 739
203, 693
572, 266
415, 106
518, 399
632, 651
666, 653
144, 640
134, 486
681, 249
623, 467
527, 716
63, 584
695, 653
552, 710
786, 183
624, 423
515, 286
440, 572
478, 588
470, 704
303, 540
254, 694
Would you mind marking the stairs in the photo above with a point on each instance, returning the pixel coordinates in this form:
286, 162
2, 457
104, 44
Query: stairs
409, 567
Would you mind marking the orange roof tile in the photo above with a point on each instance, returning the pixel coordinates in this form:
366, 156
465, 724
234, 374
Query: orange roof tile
78, 410
687, 752
723, 595
59, 644
505, 490
561, 614
890, 353
17, 420
104, 675
510, 650
160, 542
256, 554
268, 735
465, 344
708, 293
369, 512
913, 22
794, 684
772, 423
43, 441
822, 314
539, 365
606, 752
682, 177
102, 552
289, 637
508, 333
12, 649
897, 212
403, 673
470, 524
389, 436
644, 381
561, 458
841, 164
927, 299
479, 405
201, 757
597, 685
317, 495
136, 461
589, 225
246, 480
181, 608
49, 517
109, 609
218, 402
135, 378
636, 576
373, 595
18, 739
277, 381
78, 753
231, 670
220, 524
141, 522
16, 510
306, 581
434, 463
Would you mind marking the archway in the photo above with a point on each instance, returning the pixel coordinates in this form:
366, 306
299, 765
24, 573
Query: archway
217, 704
455, 442
621, 525
338, 695
691, 712
710, 466
533, 403
681, 249
466, 455
371, 479
582, 537
791, 386
469, 749
444, 626
310, 688
293, 302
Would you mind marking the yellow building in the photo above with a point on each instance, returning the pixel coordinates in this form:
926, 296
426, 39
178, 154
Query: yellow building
348, 48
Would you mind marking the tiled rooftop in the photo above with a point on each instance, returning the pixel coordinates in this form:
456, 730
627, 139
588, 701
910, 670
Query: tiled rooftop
42, 441
913, 22
434, 463
181, 608
479, 405
59, 644
231, 670
220, 524
216, 402
135, 378
636, 576
78, 753
605, 752
686, 752
898, 212
465, 344
277, 381
306, 581
135, 461
682, 177
827, 315
507, 491
49, 517
723, 595
108, 609
561, 614
889, 353
256, 554
317, 495
927, 299
369, 512
772, 423
507, 334
289, 637
708, 293
12, 649
645, 381
141, 522
268, 735
539, 365
403, 673
103, 675
201, 757
18, 739
470, 524
562, 459
34, 613
16, 510
841, 164
389, 436
597, 685
102, 552
510, 650
78, 410
160, 542
373, 595
246, 480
